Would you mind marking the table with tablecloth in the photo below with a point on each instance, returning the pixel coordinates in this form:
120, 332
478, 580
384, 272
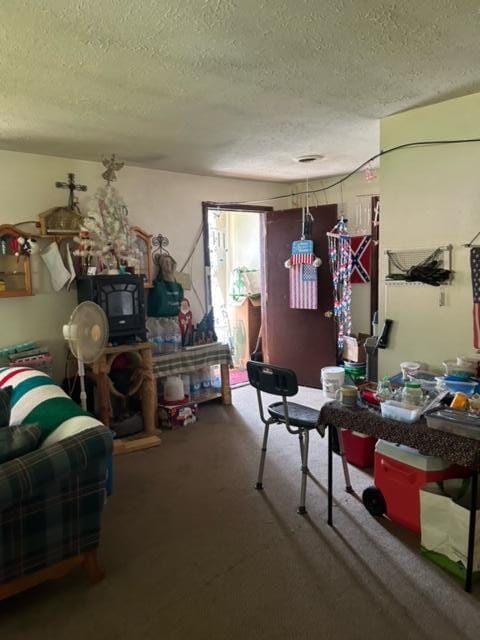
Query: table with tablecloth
192, 359
431, 442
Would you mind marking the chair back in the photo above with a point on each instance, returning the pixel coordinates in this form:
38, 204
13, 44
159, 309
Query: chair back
271, 379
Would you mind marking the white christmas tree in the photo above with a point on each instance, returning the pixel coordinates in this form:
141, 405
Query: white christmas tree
105, 238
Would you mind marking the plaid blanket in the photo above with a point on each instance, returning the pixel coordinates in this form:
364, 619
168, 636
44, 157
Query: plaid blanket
51, 502
190, 360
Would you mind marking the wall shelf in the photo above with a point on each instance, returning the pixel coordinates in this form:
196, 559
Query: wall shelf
15, 272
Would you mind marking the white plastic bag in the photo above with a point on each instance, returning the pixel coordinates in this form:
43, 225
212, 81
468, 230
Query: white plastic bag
445, 526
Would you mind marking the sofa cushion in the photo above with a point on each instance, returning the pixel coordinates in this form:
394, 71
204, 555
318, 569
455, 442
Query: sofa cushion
36, 398
5, 397
16, 441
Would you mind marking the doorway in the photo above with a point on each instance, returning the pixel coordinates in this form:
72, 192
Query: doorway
233, 279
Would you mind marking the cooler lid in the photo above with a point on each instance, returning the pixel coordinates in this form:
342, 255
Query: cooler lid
410, 456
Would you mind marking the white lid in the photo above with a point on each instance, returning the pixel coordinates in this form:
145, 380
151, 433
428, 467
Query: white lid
410, 456
332, 369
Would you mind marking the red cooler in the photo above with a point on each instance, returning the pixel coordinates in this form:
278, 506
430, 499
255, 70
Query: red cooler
359, 448
400, 472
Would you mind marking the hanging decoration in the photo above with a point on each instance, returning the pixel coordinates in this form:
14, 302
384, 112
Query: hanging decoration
475, 268
303, 266
340, 258
361, 259
303, 263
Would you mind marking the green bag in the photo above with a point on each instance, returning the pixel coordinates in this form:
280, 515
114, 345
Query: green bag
164, 299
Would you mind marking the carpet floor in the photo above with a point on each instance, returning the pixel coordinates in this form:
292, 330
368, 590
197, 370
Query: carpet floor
193, 552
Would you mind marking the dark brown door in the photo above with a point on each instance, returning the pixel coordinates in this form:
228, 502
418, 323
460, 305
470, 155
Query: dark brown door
300, 340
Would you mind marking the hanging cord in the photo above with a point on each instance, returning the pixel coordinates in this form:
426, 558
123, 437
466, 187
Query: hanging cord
384, 152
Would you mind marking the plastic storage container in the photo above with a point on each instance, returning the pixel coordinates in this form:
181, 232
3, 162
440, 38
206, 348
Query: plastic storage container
359, 448
332, 379
453, 384
400, 472
400, 411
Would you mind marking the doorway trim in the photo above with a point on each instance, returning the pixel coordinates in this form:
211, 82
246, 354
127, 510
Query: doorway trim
206, 205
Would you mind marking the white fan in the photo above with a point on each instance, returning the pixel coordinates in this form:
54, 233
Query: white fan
87, 336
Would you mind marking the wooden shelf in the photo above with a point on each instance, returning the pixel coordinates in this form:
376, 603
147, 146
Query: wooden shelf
9, 274
9, 263
15, 294
207, 396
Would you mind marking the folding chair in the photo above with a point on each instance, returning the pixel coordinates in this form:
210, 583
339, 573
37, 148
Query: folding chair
298, 419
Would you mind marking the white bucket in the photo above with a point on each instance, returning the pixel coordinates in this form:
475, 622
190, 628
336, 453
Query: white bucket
332, 379
173, 389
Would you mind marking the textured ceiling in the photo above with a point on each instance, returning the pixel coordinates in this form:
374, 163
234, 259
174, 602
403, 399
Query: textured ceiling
226, 87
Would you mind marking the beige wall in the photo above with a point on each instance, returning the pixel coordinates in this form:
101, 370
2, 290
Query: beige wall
348, 195
158, 201
430, 197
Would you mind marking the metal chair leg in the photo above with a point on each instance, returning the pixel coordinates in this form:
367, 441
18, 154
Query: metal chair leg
346, 472
330, 476
259, 484
304, 448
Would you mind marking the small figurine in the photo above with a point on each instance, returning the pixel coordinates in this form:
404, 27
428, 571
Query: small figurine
112, 166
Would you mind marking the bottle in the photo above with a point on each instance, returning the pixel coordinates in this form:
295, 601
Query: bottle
195, 384
169, 336
205, 377
384, 389
186, 384
215, 377
177, 336
412, 393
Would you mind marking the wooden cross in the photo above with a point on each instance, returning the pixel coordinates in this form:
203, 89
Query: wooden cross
72, 187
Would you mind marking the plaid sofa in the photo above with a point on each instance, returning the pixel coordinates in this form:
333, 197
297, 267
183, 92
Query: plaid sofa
51, 502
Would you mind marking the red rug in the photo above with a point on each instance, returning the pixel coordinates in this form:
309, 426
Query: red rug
238, 377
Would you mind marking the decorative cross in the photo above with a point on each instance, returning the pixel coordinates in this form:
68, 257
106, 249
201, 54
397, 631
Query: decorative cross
72, 187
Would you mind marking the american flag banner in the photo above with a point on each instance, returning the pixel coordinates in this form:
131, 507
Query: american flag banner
303, 285
475, 267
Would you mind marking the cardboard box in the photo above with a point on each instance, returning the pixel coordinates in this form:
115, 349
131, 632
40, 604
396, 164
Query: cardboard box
353, 348
175, 416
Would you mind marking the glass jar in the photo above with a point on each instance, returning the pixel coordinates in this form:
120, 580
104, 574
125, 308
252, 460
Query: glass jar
384, 389
412, 393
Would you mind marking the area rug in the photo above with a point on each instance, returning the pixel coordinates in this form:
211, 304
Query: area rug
238, 377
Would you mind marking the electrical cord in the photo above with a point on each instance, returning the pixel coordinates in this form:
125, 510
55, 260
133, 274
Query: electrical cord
383, 152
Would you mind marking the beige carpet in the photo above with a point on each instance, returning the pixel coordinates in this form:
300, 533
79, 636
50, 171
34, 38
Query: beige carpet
192, 551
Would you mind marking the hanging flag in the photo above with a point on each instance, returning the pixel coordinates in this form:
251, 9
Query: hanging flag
361, 259
475, 267
303, 286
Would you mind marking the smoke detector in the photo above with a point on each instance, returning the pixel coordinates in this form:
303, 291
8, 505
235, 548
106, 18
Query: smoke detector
311, 158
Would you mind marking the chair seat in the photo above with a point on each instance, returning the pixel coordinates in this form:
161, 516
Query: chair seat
298, 415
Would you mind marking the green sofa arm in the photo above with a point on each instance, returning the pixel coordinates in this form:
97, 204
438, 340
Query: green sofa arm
24, 477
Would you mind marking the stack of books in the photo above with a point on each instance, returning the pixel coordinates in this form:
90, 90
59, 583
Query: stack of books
27, 354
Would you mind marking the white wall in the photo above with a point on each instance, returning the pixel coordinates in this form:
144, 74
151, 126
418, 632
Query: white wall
158, 201
430, 197
347, 195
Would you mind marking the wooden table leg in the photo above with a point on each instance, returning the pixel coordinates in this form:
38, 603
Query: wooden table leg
149, 395
100, 369
92, 568
226, 391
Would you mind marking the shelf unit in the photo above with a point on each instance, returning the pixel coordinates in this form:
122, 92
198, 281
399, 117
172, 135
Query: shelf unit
15, 270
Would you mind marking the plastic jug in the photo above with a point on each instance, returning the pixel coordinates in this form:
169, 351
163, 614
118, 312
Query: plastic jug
173, 389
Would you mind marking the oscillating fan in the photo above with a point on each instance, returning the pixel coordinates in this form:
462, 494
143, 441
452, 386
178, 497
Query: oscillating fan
87, 336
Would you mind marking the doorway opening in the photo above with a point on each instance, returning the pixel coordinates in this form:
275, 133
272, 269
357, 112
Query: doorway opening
233, 280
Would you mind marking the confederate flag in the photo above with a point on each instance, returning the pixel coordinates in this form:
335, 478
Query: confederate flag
361, 259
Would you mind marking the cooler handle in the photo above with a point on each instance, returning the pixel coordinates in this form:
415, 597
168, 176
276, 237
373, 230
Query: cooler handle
408, 476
